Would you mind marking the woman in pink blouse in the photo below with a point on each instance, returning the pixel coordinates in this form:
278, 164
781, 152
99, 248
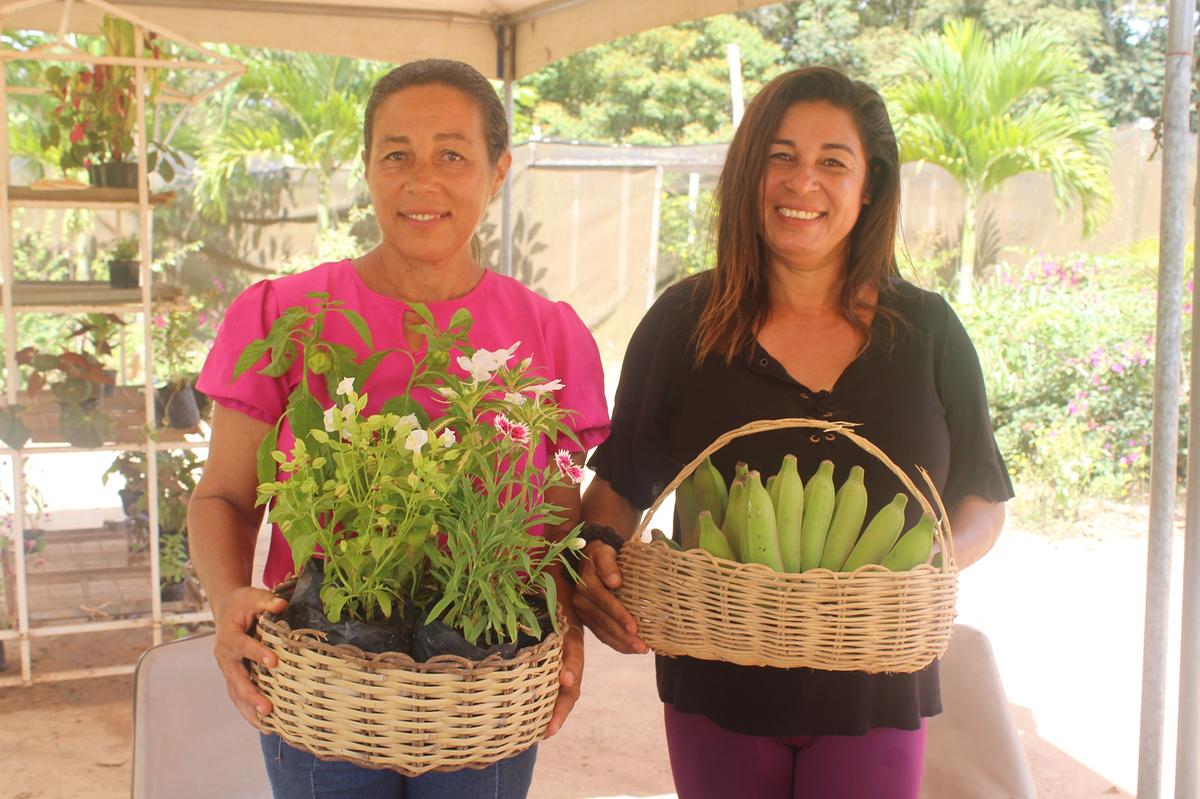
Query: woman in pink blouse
435, 152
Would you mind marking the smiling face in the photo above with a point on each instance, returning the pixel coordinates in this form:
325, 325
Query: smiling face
813, 187
429, 174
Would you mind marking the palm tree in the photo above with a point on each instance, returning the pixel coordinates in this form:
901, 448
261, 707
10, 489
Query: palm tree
301, 109
985, 111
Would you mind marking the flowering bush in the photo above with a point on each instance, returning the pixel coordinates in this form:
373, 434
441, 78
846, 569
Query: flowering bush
440, 512
1067, 348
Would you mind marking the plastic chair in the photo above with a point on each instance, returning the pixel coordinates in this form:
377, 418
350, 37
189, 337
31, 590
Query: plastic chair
188, 739
973, 749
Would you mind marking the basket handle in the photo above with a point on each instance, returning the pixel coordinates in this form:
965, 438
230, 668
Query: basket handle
941, 529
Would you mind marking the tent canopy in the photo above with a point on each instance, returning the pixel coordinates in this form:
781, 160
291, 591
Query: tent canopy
395, 31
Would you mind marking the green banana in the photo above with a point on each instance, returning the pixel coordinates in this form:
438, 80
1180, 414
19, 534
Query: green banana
789, 513
658, 536
711, 493
771, 484
850, 508
762, 542
741, 469
818, 510
737, 517
712, 540
879, 536
686, 510
913, 548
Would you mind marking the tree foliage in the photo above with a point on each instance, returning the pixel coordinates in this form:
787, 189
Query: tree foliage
663, 86
986, 111
302, 109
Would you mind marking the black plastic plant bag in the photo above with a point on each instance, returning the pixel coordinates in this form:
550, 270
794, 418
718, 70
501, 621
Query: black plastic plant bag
432, 638
305, 612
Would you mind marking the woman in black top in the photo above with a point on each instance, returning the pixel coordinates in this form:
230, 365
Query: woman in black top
805, 315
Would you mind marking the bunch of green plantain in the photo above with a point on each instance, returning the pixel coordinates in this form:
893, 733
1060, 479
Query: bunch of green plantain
793, 526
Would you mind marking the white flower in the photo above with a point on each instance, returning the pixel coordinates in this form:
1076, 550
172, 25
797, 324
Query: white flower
346, 386
514, 399
576, 544
405, 422
446, 391
483, 363
330, 415
416, 439
542, 388
448, 438
349, 412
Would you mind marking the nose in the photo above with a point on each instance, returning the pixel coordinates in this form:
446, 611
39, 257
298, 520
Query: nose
803, 176
420, 177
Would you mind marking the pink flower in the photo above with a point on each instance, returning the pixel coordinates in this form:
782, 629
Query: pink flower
77, 133
503, 424
519, 433
562, 459
160, 321
575, 475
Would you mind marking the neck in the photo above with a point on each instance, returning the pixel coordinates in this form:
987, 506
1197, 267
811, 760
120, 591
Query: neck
809, 292
389, 274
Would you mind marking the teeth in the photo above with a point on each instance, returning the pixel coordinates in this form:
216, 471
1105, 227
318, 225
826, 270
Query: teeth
792, 213
423, 217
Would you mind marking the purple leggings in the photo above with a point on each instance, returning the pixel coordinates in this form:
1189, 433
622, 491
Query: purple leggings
710, 762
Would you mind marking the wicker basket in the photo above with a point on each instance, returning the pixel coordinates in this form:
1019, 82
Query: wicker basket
389, 711
873, 620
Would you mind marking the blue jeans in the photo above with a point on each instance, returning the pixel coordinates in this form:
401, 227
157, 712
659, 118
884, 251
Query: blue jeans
295, 774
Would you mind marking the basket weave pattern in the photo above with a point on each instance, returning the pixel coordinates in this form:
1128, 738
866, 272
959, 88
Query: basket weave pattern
873, 620
389, 711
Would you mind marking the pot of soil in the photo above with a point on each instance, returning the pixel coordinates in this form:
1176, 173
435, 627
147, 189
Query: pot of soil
123, 274
113, 175
178, 407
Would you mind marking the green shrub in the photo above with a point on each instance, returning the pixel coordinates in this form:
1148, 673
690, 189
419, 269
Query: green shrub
1067, 347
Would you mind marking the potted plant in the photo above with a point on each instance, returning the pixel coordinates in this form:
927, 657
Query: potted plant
95, 112
178, 346
77, 380
414, 533
99, 332
172, 566
124, 265
178, 471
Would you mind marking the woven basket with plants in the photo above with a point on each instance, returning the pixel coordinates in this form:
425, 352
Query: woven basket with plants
422, 633
790, 573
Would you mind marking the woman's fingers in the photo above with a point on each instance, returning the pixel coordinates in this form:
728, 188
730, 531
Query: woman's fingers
599, 607
570, 679
234, 647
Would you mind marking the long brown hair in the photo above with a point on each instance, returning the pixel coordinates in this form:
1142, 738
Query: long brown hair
738, 302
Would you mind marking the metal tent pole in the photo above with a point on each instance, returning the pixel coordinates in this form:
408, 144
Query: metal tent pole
1187, 743
506, 63
1167, 367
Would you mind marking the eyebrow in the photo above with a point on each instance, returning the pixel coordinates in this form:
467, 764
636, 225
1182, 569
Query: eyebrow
401, 139
826, 146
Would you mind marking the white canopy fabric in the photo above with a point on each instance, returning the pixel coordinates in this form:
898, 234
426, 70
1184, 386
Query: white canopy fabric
396, 31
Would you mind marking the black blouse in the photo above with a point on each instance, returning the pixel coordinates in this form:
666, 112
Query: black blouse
916, 392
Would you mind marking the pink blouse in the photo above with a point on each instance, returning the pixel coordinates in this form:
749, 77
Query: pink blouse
503, 311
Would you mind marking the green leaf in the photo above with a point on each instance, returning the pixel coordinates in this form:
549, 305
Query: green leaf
304, 414
266, 462
251, 355
359, 324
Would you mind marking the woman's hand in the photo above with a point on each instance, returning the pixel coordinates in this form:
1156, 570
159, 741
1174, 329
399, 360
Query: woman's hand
570, 678
234, 647
599, 607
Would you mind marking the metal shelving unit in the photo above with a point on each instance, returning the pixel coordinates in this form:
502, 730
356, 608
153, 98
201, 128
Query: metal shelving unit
65, 298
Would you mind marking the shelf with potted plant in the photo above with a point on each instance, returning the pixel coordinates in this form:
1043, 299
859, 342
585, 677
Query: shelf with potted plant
91, 105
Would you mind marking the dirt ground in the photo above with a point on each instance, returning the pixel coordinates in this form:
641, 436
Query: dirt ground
1063, 615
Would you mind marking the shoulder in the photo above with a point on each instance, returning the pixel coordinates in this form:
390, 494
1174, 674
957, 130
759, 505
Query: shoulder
681, 304
330, 277
919, 309
525, 305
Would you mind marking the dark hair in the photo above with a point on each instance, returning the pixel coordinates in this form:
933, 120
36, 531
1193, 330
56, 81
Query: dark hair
445, 72
737, 303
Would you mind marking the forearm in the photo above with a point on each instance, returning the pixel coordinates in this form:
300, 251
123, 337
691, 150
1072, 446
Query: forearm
221, 540
603, 505
976, 523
